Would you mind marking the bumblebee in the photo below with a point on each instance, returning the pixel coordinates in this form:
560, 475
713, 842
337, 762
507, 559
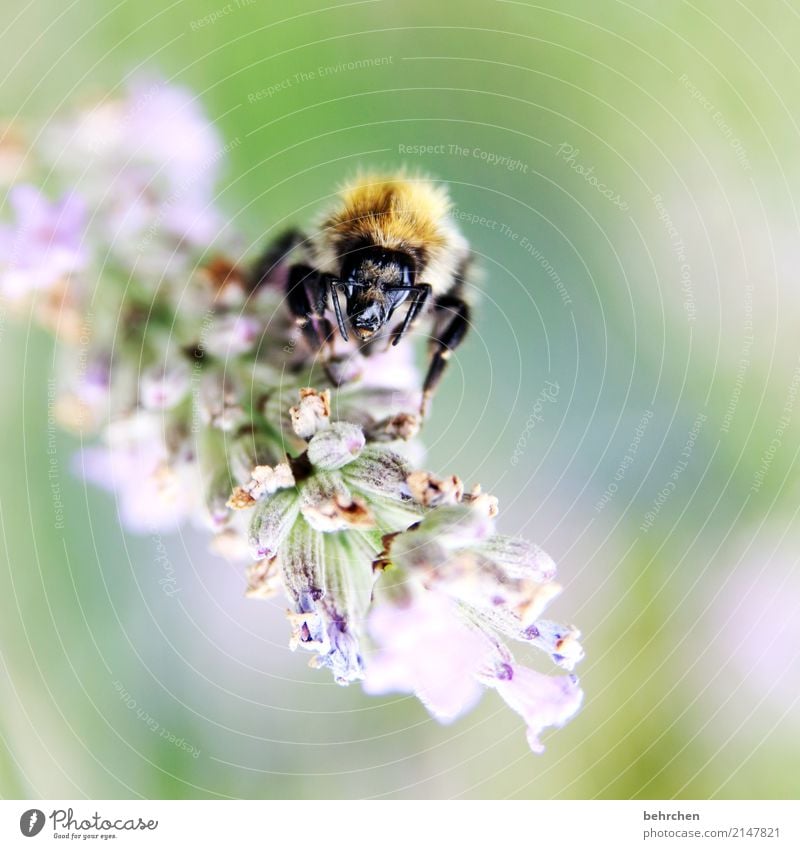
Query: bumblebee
387, 242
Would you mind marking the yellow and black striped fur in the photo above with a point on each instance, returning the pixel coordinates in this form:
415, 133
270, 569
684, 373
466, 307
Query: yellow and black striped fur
387, 241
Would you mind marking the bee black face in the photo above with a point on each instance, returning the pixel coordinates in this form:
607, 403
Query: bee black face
376, 282
367, 315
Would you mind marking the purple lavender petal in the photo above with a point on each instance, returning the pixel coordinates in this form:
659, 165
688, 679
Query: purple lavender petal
425, 649
541, 700
44, 244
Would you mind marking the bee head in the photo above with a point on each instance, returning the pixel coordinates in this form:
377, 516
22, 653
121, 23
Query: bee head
376, 281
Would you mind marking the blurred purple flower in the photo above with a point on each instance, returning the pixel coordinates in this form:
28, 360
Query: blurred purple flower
162, 387
233, 334
149, 161
752, 630
152, 493
44, 243
166, 125
141, 210
426, 650
175, 152
541, 700
93, 387
191, 215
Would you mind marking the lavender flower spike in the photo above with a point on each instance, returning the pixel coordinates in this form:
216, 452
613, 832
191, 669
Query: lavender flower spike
215, 406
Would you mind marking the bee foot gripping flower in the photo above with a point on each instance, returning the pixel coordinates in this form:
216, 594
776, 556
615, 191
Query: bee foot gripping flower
197, 370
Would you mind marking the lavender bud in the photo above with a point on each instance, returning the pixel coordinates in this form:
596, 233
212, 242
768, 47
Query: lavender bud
519, 558
336, 446
329, 578
272, 522
343, 369
226, 283
379, 476
457, 527
216, 500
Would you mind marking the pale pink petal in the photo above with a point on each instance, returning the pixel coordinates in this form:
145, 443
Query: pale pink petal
167, 126
427, 650
541, 700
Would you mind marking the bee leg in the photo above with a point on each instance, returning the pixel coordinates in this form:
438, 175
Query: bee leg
275, 259
449, 334
334, 286
419, 297
306, 296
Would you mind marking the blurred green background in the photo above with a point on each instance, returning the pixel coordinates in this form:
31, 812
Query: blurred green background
661, 297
